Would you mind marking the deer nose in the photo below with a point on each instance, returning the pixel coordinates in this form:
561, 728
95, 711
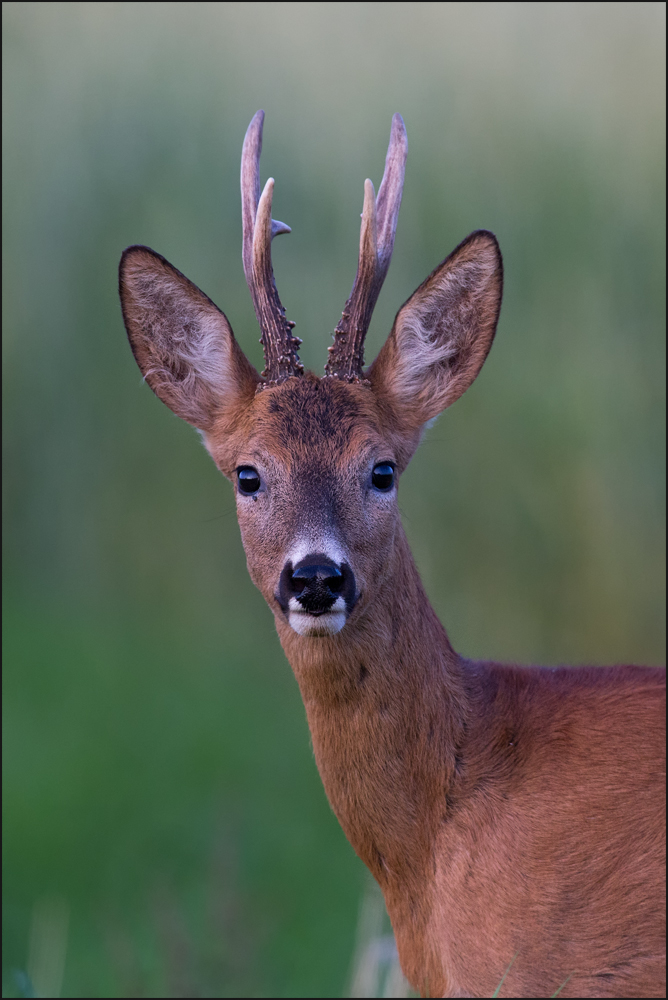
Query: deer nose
315, 584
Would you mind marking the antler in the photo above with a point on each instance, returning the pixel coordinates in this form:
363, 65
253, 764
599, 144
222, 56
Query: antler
379, 224
280, 347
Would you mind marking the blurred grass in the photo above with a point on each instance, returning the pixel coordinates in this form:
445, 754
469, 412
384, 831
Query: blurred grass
158, 774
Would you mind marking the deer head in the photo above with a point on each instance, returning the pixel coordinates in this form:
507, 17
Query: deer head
315, 462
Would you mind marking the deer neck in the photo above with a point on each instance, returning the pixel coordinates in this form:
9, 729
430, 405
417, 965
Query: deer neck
385, 705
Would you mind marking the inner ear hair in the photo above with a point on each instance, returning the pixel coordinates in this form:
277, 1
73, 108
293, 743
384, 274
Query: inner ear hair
443, 333
182, 342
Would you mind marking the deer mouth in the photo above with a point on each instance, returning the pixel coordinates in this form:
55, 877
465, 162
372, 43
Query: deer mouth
318, 622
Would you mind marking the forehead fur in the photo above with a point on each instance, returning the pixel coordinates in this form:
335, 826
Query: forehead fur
306, 410
303, 417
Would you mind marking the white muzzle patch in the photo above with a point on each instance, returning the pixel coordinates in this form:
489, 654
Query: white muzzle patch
328, 623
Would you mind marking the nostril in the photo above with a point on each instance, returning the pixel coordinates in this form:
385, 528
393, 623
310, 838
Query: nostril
335, 582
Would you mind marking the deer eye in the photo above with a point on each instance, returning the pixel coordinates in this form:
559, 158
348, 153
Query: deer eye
382, 476
248, 479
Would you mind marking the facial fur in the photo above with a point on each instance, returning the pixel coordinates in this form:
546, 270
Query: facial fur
314, 443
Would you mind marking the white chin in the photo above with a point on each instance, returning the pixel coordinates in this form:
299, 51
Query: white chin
313, 625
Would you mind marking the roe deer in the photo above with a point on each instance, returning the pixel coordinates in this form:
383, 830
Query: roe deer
507, 812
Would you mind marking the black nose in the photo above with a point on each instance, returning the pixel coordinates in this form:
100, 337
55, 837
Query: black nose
316, 582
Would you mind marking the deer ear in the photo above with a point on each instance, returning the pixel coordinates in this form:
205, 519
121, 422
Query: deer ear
181, 341
442, 335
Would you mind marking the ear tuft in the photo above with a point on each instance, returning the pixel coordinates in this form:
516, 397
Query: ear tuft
181, 341
443, 333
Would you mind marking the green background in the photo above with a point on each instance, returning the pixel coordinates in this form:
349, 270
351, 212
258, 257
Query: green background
159, 780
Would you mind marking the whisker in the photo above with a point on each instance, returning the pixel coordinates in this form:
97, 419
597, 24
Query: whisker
218, 517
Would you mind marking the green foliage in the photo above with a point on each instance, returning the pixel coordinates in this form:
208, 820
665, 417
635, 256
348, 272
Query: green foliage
158, 772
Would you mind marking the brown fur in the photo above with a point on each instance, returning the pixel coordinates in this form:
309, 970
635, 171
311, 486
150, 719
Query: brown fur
509, 814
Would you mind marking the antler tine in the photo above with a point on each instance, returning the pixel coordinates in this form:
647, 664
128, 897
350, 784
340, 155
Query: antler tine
280, 347
250, 189
379, 225
390, 191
